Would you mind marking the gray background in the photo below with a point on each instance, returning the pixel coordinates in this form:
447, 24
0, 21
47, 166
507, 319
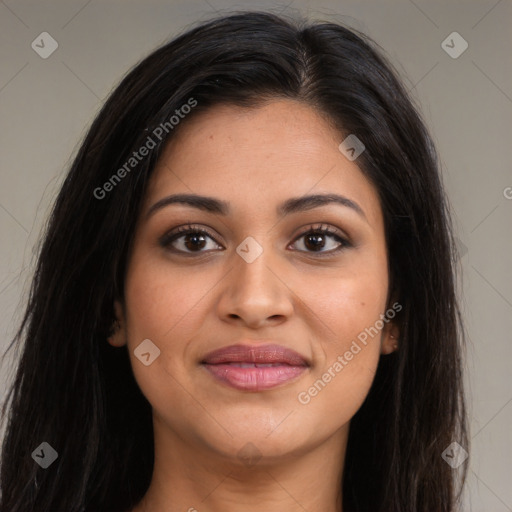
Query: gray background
46, 105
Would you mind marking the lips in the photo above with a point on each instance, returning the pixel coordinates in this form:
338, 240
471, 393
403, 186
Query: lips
255, 368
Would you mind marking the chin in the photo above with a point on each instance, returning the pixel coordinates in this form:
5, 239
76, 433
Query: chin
265, 437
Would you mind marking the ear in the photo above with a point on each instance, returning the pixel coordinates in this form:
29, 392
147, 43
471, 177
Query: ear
390, 338
118, 336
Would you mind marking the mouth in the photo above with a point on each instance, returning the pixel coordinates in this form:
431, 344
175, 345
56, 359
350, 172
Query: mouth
255, 368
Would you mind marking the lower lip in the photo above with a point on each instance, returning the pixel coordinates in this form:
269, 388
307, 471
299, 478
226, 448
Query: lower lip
254, 379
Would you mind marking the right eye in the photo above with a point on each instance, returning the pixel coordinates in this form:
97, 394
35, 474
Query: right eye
190, 240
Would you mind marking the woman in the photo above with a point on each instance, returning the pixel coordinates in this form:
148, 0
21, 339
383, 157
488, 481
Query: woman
245, 295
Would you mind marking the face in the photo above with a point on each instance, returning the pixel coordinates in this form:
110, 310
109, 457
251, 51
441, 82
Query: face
308, 276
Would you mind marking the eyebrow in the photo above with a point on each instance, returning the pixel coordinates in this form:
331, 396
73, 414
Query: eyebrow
292, 205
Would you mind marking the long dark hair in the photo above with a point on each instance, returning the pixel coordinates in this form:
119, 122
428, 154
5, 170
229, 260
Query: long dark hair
76, 392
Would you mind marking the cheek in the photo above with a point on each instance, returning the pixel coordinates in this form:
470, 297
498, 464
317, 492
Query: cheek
165, 307
349, 326
345, 303
163, 302
335, 394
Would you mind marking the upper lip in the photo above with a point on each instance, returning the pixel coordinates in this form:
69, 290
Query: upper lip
241, 353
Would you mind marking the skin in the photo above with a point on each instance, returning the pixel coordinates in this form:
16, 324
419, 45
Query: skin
189, 305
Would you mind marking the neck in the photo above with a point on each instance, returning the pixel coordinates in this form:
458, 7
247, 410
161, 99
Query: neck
191, 480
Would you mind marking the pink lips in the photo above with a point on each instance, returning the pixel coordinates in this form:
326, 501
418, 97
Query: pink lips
255, 368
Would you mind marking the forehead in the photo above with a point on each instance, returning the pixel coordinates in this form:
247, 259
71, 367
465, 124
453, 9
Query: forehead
280, 127
259, 157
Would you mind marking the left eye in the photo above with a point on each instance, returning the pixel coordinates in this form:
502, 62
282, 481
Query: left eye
315, 239
193, 240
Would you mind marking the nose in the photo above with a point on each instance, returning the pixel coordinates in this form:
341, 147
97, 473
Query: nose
255, 294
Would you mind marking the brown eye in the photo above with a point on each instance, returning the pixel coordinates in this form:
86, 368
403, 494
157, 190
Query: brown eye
188, 240
322, 240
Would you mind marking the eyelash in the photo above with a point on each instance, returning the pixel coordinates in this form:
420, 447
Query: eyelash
167, 239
